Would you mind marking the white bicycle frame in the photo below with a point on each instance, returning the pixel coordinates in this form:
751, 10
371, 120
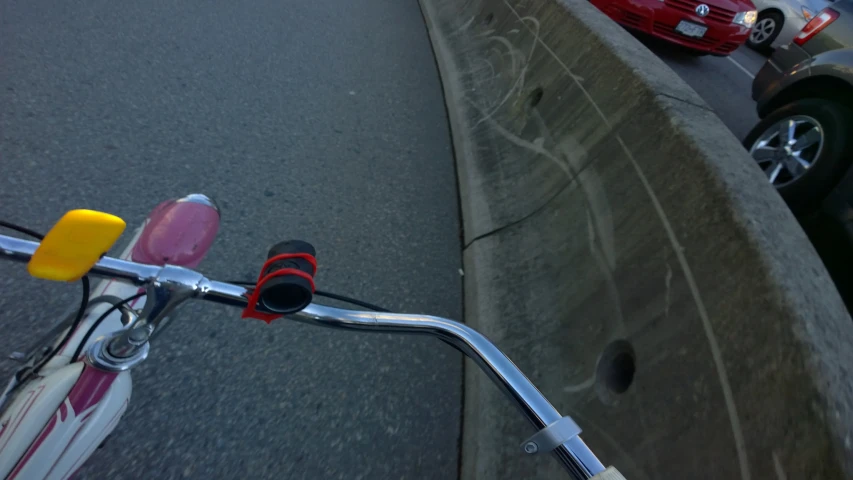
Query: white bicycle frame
52, 422
55, 421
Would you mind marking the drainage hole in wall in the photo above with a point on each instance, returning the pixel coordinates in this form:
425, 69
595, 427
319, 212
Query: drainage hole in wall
536, 96
616, 367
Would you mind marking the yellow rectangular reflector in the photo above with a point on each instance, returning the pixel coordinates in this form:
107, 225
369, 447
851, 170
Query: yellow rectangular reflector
75, 244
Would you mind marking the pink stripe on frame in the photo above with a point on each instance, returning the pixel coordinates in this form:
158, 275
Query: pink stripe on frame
90, 388
112, 423
16, 422
45, 432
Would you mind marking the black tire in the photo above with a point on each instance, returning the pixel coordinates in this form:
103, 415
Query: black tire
765, 18
804, 194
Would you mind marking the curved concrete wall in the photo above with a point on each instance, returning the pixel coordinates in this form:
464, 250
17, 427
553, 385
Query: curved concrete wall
611, 218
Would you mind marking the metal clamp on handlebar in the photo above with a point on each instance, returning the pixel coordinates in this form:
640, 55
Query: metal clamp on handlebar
552, 436
286, 282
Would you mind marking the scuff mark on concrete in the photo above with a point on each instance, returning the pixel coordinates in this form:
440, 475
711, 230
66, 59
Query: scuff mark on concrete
626, 463
539, 149
464, 26
668, 283
488, 64
617, 326
535, 42
513, 52
517, 62
596, 197
777, 466
580, 387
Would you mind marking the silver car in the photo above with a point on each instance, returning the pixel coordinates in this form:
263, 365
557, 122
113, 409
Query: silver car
804, 95
780, 20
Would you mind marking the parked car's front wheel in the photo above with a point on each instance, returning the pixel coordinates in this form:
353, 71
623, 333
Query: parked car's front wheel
765, 30
804, 148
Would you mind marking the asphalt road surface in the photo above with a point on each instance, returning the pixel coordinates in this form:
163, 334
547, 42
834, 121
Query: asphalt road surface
315, 120
725, 83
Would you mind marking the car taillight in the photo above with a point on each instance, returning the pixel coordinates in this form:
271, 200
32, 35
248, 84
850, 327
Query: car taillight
815, 25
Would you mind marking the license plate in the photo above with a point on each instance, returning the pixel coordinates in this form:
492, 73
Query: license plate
691, 29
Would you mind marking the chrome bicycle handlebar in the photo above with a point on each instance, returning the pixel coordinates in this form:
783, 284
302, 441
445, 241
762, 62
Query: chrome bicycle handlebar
168, 286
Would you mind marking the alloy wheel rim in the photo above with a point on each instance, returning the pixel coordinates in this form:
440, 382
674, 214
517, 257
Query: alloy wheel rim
788, 148
762, 30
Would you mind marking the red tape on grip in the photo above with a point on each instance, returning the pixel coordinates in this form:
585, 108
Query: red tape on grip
251, 310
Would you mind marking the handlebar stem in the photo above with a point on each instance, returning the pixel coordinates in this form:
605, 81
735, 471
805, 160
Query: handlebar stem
170, 287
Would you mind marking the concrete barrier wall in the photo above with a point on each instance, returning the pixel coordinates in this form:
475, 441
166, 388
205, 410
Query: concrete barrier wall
613, 223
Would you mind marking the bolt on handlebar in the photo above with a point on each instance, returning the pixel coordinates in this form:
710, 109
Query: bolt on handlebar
168, 286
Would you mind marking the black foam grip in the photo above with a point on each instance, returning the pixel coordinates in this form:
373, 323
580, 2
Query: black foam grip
287, 294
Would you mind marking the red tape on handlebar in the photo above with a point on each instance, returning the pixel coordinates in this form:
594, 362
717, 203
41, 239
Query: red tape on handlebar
251, 310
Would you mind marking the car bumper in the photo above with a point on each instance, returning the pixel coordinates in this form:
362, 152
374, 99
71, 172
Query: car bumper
771, 79
765, 79
790, 29
660, 18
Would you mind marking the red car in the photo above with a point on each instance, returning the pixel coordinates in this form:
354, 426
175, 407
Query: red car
717, 27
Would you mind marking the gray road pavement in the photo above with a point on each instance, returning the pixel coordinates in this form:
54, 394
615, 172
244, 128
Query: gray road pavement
318, 120
725, 83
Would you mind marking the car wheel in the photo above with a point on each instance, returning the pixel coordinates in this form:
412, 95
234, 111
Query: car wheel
765, 30
804, 148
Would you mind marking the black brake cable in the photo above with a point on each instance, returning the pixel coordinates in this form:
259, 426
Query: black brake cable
85, 301
20, 229
113, 308
353, 301
80, 312
333, 296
